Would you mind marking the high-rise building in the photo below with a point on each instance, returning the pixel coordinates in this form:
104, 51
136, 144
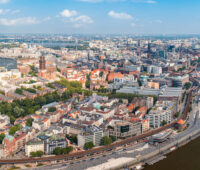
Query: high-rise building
149, 50
42, 63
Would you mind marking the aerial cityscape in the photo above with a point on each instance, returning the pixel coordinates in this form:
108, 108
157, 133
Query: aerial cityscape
98, 85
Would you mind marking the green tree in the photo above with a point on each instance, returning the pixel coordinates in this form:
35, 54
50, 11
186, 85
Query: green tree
69, 149
2, 136
39, 153
88, 145
19, 91
57, 151
106, 140
52, 109
177, 114
14, 129
29, 122
72, 138
33, 154
113, 138
87, 84
164, 122
187, 85
101, 74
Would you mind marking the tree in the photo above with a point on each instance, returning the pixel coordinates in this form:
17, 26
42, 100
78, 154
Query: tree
106, 140
72, 138
190, 108
52, 109
88, 145
164, 122
101, 74
187, 85
14, 129
61, 151
19, 91
2, 136
139, 83
39, 153
57, 151
113, 138
29, 122
177, 114
69, 149
33, 154
87, 84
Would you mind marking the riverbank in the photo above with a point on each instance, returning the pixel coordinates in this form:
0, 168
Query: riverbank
179, 141
183, 158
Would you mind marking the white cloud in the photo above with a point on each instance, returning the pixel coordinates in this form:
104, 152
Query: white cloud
8, 11
93, 1
119, 15
67, 13
157, 21
133, 24
15, 12
150, 2
145, 1
4, 1
73, 17
81, 20
135, 1
19, 21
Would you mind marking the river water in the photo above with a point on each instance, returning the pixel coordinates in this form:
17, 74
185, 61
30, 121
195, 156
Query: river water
186, 157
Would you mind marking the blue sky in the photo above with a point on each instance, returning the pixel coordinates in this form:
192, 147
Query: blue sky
100, 16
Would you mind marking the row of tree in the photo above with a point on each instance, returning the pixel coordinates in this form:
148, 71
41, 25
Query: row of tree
62, 151
106, 140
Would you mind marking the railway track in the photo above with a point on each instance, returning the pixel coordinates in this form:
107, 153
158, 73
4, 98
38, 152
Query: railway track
103, 148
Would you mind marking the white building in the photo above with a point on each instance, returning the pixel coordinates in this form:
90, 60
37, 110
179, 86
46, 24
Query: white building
162, 111
34, 146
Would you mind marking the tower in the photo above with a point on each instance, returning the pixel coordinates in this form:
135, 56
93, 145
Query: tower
149, 50
139, 49
127, 46
42, 63
88, 57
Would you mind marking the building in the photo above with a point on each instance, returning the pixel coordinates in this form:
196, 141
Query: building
34, 146
180, 80
52, 142
91, 134
161, 113
4, 120
42, 63
124, 129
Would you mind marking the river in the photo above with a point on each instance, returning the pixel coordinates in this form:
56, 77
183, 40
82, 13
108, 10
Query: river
186, 157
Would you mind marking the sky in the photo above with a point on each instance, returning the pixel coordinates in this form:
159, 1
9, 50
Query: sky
100, 16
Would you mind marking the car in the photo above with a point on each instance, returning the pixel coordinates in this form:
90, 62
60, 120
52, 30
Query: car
91, 159
64, 164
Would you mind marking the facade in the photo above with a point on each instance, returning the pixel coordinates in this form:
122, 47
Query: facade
50, 143
91, 134
124, 129
34, 146
42, 63
161, 112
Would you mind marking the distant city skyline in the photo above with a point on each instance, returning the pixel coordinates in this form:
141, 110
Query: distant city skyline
100, 16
